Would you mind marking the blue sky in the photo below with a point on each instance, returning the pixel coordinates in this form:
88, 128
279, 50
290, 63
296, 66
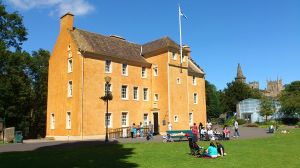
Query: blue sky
262, 35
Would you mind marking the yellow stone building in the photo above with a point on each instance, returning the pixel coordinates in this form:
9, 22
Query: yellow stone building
148, 83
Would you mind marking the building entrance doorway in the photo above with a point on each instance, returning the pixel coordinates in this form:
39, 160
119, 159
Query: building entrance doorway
155, 123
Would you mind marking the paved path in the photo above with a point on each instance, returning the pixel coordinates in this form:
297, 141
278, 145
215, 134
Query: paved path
29, 145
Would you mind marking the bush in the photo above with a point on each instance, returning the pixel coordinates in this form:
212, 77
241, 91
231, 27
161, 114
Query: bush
298, 124
241, 121
290, 121
251, 125
229, 121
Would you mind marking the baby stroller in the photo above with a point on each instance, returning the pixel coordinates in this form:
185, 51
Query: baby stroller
167, 138
194, 148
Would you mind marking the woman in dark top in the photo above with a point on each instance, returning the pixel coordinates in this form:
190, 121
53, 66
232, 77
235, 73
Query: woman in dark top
220, 148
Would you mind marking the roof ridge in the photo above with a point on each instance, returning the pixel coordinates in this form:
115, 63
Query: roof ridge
108, 36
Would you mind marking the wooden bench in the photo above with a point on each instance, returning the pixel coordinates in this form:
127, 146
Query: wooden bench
180, 134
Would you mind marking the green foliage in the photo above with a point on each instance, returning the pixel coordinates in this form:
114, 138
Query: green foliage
241, 121
13, 32
213, 105
298, 123
236, 92
229, 122
290, 99
266, 108
23, 78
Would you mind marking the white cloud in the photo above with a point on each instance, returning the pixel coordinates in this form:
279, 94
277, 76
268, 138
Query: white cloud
77, 7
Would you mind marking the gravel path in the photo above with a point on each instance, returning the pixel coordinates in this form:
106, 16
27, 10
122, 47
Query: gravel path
29, 145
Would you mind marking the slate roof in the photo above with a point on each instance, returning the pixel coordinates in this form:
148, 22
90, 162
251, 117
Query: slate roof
122, 49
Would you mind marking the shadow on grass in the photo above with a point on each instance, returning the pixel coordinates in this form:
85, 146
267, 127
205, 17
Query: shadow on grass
84, 154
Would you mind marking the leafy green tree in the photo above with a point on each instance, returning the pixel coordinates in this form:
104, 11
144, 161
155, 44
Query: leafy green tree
267, 108
213, 105
39, 80
290, 99
13, 32
234, 92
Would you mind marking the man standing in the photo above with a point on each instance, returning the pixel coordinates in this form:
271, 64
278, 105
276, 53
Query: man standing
236, 129
150, 126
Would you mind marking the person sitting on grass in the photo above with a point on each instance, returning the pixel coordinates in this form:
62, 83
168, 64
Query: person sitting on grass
220, 148
211, 151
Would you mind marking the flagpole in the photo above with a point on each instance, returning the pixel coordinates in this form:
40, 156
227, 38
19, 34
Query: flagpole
179, 15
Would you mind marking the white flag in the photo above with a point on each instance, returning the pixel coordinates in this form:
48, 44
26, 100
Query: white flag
181, 13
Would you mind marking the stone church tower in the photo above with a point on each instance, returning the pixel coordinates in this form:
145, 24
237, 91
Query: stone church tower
239, 75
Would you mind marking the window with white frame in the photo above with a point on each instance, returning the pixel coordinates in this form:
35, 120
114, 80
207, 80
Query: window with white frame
184, 58
146, 97
155, 70
195, 98
108, 120
52, 121
70, 64
145, 118
68, 120
107, 87
191, 118
176, 118
124, 69
108, 68
174, 55
144, 72
124, 92
194, 80
178, 80
155, 97
124, 119
70, 88
135, 93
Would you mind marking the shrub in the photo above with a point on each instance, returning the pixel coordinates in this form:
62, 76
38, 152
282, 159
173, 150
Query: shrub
298, 124
290, 121
251, 125
229, 121
241, 121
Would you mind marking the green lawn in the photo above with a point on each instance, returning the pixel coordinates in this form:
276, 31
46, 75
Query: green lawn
282, 150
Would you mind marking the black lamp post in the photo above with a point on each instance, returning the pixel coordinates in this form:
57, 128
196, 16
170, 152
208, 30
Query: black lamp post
107, 80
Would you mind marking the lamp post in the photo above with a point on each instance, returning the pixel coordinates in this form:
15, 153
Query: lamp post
107, 80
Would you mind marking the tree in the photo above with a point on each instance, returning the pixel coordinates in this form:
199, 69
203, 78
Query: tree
235, 92
213, 105
39, 80
290, 99
13, 33
267, 107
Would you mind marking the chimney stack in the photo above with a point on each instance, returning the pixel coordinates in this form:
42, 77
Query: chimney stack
66, 22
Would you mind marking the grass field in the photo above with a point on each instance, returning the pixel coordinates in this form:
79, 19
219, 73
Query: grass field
282, 150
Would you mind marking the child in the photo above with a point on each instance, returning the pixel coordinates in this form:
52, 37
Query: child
220, 148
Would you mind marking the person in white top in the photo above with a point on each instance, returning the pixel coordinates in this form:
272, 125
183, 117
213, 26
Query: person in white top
169, 126
236, 129
208, 125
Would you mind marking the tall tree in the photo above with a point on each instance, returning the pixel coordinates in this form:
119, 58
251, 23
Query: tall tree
237, 91
39, 79
13, 32
267, 107
213, 105
290, 99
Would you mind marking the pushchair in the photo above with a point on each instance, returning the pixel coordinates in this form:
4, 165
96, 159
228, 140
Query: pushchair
167, 138
194, 148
